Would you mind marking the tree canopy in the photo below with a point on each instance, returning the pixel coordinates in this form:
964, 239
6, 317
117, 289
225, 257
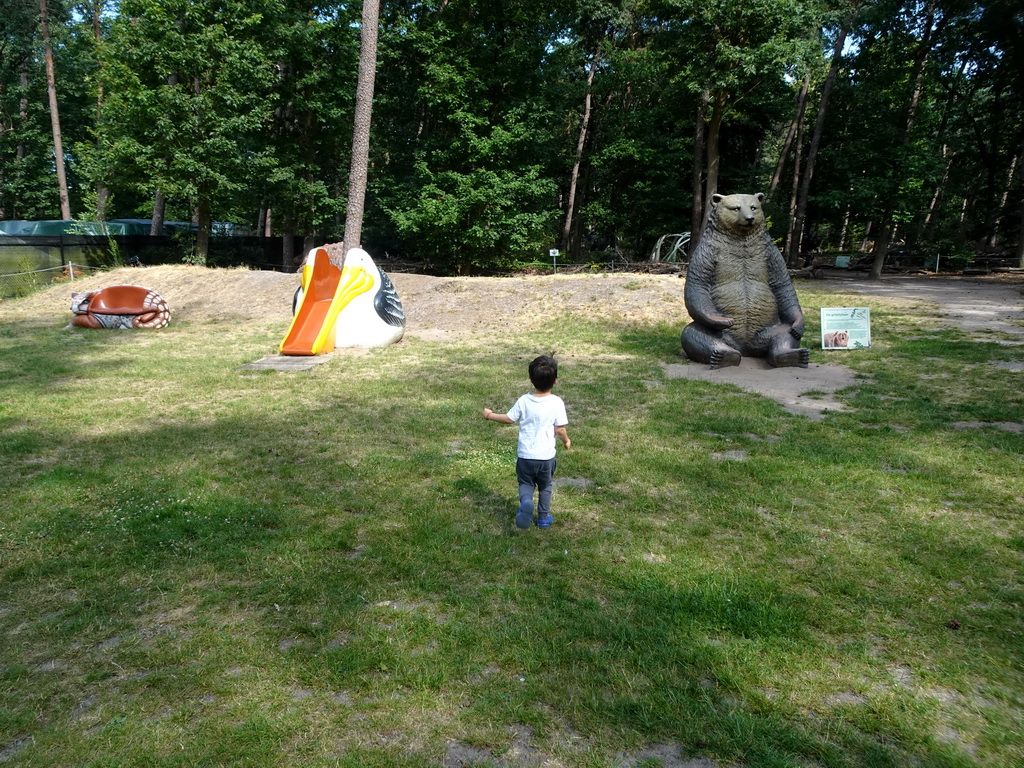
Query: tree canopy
503, 129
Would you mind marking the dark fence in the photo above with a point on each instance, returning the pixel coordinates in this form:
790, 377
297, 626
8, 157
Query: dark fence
38, 251
28, 263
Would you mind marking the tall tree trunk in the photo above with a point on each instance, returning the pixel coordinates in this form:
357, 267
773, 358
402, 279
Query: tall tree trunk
51, 91
22, 107
931, 29
1020, 239
102, 190
102, 202
19, 150
961, 230
789, 250
846, 222
712, 151
581, 142
156, 223
881, 248
993, 239
869, 230
799, 224
358, 168
288, 251
937, 195
697, 178
204, 223
798, 119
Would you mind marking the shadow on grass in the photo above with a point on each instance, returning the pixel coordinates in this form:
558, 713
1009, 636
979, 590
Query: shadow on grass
270, 509
487, 501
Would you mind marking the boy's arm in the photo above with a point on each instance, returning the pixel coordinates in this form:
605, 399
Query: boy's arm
563, 436
501, 418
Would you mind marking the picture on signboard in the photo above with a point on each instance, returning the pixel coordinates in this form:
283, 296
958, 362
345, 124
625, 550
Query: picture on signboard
836, 340
845, 327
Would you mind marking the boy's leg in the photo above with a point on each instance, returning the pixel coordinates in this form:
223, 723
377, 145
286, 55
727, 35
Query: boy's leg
525, 475
545, 477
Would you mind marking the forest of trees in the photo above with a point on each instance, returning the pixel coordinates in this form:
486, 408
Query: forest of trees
504, 128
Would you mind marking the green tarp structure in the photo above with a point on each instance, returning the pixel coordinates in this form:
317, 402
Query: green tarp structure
54, 228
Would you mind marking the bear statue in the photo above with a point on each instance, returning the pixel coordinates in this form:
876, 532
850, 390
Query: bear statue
738, 291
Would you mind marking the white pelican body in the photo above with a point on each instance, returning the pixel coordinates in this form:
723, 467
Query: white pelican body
371, 313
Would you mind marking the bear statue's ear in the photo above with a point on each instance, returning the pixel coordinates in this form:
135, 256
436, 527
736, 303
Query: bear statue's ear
760, 197
716, 198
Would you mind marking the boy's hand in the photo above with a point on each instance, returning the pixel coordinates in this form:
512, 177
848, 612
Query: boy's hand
487, 413
567, 443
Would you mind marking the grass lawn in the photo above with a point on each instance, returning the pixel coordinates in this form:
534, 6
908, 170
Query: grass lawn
206, 567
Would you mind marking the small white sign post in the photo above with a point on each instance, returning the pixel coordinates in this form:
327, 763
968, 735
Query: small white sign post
845, 327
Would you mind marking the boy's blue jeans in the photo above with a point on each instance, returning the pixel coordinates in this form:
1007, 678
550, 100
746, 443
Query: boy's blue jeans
536, 473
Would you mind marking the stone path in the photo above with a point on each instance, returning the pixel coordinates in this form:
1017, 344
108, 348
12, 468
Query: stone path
285, 363
976, 306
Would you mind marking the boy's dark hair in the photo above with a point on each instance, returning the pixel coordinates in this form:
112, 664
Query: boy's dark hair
543, 372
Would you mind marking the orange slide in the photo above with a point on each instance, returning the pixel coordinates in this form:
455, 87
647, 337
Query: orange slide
313, 327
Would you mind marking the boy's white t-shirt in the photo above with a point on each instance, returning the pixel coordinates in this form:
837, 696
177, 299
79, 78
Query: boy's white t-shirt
537, 418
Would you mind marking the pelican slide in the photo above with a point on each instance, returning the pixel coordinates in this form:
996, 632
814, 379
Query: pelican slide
326, 291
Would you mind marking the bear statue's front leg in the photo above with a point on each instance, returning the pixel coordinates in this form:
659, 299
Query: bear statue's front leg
705, 346
784, 348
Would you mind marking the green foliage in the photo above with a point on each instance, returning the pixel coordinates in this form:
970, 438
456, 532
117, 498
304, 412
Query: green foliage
231, 109
485, 213
27, 188
483, 219
957, 147
188, 89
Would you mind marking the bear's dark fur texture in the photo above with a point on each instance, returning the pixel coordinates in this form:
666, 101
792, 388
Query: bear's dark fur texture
738, 291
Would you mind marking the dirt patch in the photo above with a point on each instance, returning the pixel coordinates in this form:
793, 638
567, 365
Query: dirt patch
664, 755
436, 308
979, 305
809, 391
447, 307
451, 308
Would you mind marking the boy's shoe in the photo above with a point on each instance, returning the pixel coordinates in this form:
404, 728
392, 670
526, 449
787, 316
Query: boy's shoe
525, 514
545, 521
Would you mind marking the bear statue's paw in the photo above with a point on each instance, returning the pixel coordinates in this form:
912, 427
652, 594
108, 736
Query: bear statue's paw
724, 358
793, 358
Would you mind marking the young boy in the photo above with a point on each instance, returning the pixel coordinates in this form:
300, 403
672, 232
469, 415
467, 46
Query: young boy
541, 416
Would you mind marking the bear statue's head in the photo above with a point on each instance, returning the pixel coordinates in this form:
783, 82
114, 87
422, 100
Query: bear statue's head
738, 214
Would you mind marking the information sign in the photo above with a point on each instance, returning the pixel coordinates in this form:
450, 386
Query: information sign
845, 327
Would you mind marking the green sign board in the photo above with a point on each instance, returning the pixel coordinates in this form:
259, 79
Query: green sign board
845, 327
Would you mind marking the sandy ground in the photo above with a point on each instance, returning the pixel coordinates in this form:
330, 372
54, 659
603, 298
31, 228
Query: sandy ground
449, 308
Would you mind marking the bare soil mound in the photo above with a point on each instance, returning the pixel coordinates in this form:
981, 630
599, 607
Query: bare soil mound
434, 306
440, 308
454, 305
